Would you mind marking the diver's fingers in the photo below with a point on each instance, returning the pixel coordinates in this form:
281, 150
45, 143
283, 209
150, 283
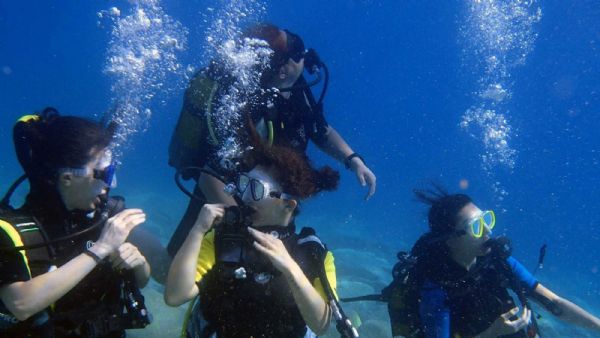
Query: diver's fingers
506, 316
527, 316
262, 238
361, 178
373, 182
522, 321
262, 249
134, 221
372, 187
123, 215
258, 236
130, 262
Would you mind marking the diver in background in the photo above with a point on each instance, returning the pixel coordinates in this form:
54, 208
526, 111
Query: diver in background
290, 117
460, 281
66, 269
272, 286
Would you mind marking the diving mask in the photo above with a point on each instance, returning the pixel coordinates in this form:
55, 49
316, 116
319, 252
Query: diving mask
104, 171
256, 189
485, 219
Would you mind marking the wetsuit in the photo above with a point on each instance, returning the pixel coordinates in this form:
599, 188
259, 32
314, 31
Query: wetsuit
93, 307
295, 121
452, 301
260, 305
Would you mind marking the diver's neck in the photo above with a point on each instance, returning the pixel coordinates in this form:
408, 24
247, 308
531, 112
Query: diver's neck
464, 259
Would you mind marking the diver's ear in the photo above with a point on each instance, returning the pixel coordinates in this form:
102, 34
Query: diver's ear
292, 204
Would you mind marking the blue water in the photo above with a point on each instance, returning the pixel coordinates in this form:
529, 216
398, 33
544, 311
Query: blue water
402, 77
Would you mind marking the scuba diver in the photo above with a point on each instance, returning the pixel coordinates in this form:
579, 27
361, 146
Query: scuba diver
66, 269
456, 280
288, 115
253, 274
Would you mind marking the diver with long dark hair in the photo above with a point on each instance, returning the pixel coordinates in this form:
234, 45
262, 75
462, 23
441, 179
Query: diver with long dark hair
66, 269
456, 279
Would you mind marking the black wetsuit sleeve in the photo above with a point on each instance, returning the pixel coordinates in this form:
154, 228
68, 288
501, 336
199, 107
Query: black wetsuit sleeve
12, 263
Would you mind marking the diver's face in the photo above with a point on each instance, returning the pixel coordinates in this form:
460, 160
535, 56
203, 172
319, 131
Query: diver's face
82, 192
270, 210
291, 71
466, 241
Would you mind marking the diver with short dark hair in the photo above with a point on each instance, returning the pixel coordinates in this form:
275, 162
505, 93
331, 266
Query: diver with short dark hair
66, 269
460, 279
288, 115
254, 275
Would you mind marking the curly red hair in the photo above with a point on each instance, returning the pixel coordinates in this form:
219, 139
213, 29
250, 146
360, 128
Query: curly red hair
294, 171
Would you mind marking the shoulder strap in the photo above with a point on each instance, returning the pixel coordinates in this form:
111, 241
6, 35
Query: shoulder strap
318, 251
310, 252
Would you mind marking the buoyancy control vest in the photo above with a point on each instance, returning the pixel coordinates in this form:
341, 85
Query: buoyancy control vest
259, 304
195, 138
94, 307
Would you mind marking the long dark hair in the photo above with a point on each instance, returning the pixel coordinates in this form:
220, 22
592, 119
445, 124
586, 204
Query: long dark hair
444, 207
46, 142
431, 247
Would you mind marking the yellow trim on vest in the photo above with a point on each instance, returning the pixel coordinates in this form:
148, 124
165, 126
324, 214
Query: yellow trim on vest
16, 238
28, 118
331, 277
206, 257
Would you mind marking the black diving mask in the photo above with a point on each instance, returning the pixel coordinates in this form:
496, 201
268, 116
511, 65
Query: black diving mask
250, 188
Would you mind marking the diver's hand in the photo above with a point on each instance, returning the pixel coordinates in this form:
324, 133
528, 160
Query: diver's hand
364, 175
116, 230
127, 257
504, 325
210, 215
274, 249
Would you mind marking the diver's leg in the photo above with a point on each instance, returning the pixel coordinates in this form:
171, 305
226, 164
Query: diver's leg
186, 223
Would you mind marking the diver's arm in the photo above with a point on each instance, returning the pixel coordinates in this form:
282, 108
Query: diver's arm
564, 309
315, 312
24, 299
181, 285
212, 188
181, 280
335, 146
313, 308
142, 274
